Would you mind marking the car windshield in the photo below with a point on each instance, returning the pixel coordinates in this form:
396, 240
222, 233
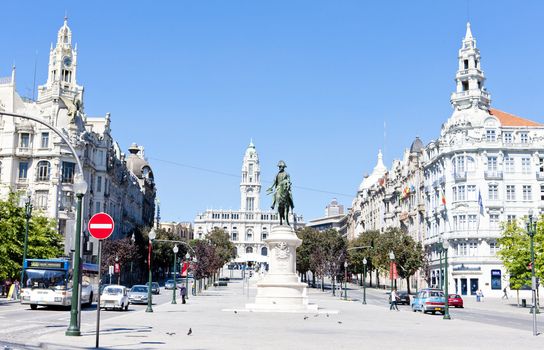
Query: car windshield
140, 289
436, 294
113, 291
170, 281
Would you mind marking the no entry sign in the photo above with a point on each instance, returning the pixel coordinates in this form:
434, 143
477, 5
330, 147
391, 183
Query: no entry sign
101, 226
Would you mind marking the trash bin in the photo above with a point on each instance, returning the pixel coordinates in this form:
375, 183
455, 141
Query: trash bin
523, 302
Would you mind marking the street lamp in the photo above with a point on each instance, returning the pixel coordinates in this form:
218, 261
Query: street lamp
531, 231
152, 235
118, 273
445, 246
187, 257
345, 280
80, 188
364, 280
175, 262
132, 239
28, 214
392, 258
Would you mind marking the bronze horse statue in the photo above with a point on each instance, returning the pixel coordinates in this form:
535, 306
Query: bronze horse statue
284, 200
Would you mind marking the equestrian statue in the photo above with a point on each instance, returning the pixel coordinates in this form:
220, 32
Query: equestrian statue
282, 197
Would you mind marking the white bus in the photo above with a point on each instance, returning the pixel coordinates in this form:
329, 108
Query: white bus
49, 282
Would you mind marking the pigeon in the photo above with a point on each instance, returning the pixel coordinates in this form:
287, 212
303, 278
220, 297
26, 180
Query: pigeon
190, 331
339, 322
273, 302
235, 311
327, 315
170, 333
305, 317
316, 315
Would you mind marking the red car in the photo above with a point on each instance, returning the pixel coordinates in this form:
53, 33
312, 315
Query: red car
455, 300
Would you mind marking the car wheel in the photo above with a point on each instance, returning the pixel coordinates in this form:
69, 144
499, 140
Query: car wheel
434, 312
33, 306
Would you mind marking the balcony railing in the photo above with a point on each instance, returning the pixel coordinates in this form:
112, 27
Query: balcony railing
493, 175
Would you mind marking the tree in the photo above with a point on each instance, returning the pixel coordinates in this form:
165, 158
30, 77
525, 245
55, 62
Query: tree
122, 251
305, 250
220, 239
365, 244
43, 240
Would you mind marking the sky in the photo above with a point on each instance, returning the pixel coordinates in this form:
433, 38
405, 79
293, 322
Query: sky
322, 85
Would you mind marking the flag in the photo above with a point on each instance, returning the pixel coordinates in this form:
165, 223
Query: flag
480, 203
443, 197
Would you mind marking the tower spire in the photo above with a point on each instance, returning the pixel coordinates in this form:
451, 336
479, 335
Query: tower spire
470, 90
250, 186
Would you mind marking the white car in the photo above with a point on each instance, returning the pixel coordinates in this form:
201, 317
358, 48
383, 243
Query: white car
114, 297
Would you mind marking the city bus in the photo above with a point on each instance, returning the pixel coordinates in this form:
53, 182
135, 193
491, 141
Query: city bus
48, 282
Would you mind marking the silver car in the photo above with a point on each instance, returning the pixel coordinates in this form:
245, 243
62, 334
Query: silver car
138, 294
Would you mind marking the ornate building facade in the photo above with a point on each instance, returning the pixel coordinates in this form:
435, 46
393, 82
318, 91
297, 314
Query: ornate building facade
486, 167
249, 226
34, 158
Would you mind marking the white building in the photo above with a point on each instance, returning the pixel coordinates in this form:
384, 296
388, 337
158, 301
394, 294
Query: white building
33, 157
334, 219
248, 226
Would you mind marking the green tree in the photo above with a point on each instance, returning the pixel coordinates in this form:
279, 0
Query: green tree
362, 249
224, 248
122, 251
44, 241
304, 252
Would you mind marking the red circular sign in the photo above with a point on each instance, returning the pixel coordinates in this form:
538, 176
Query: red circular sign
101, 226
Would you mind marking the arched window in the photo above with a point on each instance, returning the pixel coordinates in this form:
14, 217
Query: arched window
43, 171
249, 235
249, 250
264, 251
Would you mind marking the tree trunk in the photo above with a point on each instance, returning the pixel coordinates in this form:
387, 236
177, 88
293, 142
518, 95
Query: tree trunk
333, 287
408, 284
517, 294
322, 284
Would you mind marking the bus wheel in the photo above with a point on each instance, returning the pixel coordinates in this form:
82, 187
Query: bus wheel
33, 306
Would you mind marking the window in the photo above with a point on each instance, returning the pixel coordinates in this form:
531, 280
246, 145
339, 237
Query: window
100, 158
492, 163
68, 172
250, 201
249, 235
493, 193
472, 222
493, 248
465, 64
494, 220
97, 207
527, 192
43, 171
509, 164
249, 250
524, 137
511, 219
264, 235
471, 192
24, 140
542, 192
490, 135
41, 199
234, 236
462, 249
264, 251
462, 222
473, 249
526, 165
465, 85
251, 169
507, 137
510, 192
66, 75
461, 193
99, 184
66, 200
45, 140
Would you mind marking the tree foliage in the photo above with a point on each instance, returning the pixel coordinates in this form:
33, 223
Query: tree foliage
122, 251
44, 242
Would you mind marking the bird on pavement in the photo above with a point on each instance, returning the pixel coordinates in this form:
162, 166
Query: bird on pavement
190, 331
339, 322
235, 311
305, 317
316, 315
170, 333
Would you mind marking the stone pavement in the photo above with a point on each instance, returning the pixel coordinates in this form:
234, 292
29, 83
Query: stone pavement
356, 326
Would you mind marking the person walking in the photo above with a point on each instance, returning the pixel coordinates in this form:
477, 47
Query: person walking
394, 299
183, 292
505, 295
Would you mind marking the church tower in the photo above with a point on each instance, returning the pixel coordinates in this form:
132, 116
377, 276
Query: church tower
62, 69
470, 91
250, 187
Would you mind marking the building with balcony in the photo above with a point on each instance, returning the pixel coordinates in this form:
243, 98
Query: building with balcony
33, 157
334, 219
249, 226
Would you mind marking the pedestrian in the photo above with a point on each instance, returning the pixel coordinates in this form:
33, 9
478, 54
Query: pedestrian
505, 295
15, 295
183, 293
481, 295
394, 298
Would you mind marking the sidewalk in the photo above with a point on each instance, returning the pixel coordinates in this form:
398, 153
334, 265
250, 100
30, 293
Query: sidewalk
356, 326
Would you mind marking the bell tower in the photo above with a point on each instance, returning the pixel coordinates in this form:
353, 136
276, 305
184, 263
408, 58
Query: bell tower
250, 187
470, 90
62, 69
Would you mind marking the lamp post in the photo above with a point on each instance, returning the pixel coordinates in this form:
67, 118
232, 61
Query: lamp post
175, 249
28, 214
531, 230
152, 235
364, 280
392, 259
80, 188
118, 273
187, 259
445, 246
345, 280
132, 239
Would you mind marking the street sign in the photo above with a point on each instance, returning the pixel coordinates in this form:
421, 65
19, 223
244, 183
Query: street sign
101, 226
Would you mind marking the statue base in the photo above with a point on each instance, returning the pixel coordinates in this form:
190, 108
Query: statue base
280, 290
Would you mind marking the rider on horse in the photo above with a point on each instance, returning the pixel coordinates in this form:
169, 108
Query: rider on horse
282, 197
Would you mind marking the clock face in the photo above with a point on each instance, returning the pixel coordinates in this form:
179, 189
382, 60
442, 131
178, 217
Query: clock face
67, 61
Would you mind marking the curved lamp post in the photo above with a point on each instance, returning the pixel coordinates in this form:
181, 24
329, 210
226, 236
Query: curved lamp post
187, 259
445, 246
364, 280
531, 231
28, 215
392, 259
175, 249
152, 235
80, 188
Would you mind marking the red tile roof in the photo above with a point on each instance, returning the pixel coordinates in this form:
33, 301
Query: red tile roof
507, 119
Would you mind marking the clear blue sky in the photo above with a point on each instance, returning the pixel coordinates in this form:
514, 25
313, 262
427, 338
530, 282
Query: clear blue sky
312, 82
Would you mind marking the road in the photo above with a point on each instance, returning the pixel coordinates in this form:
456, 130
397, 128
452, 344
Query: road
20, 322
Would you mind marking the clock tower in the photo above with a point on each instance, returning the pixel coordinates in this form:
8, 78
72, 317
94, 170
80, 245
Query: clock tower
250, 187
62, 70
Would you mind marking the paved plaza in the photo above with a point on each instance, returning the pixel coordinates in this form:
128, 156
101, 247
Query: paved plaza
339, 325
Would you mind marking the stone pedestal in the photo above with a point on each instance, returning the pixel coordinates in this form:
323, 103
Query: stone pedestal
280, 290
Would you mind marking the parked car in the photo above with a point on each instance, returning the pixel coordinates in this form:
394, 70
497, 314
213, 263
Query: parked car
404, 298
138, 294
455, 300
170, 283
155, 288
114, 297
429, 300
